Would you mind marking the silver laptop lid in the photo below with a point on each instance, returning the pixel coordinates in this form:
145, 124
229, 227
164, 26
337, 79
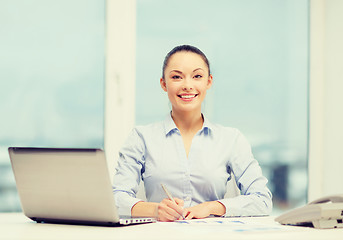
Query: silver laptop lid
64, 184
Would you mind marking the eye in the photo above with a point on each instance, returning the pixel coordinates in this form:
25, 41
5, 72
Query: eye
176, 77
198, 76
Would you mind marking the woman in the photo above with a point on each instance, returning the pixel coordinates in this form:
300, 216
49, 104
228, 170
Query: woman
193, 157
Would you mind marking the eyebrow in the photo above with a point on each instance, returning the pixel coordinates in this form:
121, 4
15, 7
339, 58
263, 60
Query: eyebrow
178, 71
198, 69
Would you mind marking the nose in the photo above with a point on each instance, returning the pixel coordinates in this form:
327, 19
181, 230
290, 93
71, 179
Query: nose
187, 84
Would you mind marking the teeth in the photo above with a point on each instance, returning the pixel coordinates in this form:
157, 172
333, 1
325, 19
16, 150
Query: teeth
187, 96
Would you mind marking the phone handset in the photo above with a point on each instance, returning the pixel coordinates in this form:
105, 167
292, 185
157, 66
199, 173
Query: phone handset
333, 199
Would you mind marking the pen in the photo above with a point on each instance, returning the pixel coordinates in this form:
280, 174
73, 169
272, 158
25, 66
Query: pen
170, 196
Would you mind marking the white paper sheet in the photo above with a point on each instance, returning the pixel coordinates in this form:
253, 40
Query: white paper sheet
246, 224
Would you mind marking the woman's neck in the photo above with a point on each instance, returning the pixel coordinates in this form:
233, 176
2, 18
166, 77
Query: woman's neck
188, 121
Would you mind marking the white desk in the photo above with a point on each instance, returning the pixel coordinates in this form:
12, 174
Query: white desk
17, 226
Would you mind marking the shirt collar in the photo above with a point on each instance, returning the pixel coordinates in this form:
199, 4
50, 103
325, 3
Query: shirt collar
207, 126
169, 125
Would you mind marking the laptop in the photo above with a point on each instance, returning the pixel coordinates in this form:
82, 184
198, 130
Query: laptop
67, 186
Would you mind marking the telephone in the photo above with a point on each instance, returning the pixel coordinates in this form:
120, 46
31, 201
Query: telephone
326, 212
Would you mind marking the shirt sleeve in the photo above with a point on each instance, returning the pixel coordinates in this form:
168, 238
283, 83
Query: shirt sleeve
128, 173
255, 198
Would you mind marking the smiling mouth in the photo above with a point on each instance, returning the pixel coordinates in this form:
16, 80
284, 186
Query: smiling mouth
188, 96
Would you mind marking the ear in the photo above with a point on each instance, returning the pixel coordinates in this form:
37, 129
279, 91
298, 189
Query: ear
209, 81
163, 84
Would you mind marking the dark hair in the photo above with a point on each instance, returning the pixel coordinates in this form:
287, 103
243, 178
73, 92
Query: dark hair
185, 48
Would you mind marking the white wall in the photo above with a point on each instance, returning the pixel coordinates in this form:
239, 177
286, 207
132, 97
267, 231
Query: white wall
326, 98
120, 76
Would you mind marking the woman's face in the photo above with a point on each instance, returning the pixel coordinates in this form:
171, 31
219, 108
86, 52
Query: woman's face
186, 80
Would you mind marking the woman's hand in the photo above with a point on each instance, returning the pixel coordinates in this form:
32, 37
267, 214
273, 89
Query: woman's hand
168, 211
205, 209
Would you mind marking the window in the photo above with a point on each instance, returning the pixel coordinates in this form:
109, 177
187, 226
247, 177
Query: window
259, 56
52, 79
53, 67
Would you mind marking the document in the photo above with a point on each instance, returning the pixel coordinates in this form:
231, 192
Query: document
246, 224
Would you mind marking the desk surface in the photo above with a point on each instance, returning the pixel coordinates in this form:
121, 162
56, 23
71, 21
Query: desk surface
17, 226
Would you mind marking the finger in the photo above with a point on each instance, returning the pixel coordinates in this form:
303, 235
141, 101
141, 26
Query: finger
189, 216
165, 217
183, 215
179, 202
166, 210
188, 213
175, 207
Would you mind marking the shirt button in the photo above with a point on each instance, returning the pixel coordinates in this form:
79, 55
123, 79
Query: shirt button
187, 198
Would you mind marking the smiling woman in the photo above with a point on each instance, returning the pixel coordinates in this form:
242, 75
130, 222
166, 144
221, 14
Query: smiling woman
182, 147
259, 61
